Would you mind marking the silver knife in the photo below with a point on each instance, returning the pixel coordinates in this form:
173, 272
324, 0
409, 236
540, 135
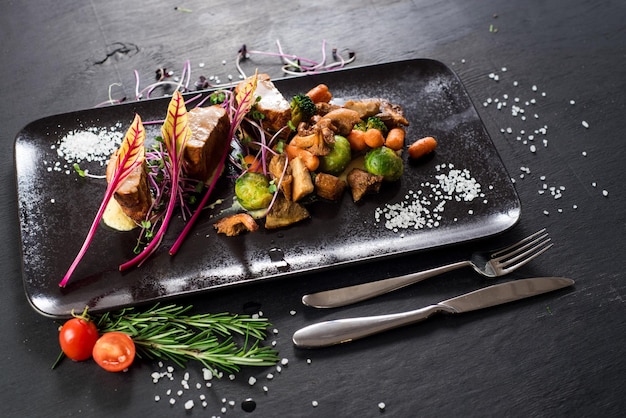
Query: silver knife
324, 334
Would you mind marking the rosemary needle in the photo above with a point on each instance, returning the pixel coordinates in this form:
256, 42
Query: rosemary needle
169, 333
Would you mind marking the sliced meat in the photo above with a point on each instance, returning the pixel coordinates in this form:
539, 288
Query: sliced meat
133, 195
272, 104
236, 224
328, 186
284, 213
361, 183
209, 138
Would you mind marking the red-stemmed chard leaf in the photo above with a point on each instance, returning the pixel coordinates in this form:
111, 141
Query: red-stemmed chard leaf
175, 133
129, 155
242, 103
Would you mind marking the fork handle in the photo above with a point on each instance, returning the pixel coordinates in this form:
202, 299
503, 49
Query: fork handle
327, 333
346, 295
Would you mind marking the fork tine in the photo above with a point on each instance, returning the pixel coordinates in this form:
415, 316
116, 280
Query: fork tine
508, 250
519, 260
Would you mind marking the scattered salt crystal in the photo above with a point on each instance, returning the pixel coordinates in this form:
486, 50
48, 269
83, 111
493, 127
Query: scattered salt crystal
545, 212
585, 124
572, 102
605, 193
381, 406
292, 312
189, 404
157, 398
315, 404
584, 153
252, 380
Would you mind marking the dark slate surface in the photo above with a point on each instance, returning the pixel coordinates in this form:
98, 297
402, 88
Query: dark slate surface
560, 354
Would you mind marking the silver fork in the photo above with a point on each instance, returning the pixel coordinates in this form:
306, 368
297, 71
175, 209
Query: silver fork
492, 264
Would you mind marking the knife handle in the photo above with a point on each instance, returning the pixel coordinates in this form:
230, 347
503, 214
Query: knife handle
351, 294
327, 333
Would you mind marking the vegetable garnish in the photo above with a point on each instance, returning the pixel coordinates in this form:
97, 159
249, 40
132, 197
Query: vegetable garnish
293, 65
176, 133
169, 333
240, 104
130, 155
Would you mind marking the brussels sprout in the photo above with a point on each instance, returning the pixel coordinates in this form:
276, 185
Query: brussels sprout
253, 191
338, 158
384, 162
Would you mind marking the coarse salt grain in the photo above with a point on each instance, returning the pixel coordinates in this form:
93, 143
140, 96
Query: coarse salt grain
189, 404
90, 145
585, 124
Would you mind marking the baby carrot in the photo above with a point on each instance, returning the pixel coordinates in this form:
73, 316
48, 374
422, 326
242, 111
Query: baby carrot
320, 93
395, 139
252, 163
357, 140
374, 138
422, 147
312, 162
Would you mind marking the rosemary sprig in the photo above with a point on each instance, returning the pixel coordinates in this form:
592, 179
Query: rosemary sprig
169, 333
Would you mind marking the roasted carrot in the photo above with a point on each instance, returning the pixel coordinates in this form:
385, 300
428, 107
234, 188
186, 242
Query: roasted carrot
320, 93
252, 163
422, 147
374, 138
357, 140
312, 162
395, 139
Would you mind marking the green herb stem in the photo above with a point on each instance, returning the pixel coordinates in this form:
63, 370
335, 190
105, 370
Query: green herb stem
169, 333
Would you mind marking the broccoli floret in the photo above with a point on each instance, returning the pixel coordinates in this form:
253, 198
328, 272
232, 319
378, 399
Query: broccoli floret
376, 123
360, 126
302, 109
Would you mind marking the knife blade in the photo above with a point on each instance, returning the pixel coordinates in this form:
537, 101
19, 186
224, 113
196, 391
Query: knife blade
327, 333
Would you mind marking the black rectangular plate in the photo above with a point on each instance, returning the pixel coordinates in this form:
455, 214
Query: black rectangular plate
56, 209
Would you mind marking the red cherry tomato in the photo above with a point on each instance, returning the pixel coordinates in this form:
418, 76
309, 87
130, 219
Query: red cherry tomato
78, 337
114, 351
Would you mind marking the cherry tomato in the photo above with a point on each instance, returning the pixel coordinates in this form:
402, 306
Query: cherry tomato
78, 337
114, 351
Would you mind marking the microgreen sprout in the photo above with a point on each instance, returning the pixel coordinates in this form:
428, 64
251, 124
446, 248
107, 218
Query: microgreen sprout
78, 170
